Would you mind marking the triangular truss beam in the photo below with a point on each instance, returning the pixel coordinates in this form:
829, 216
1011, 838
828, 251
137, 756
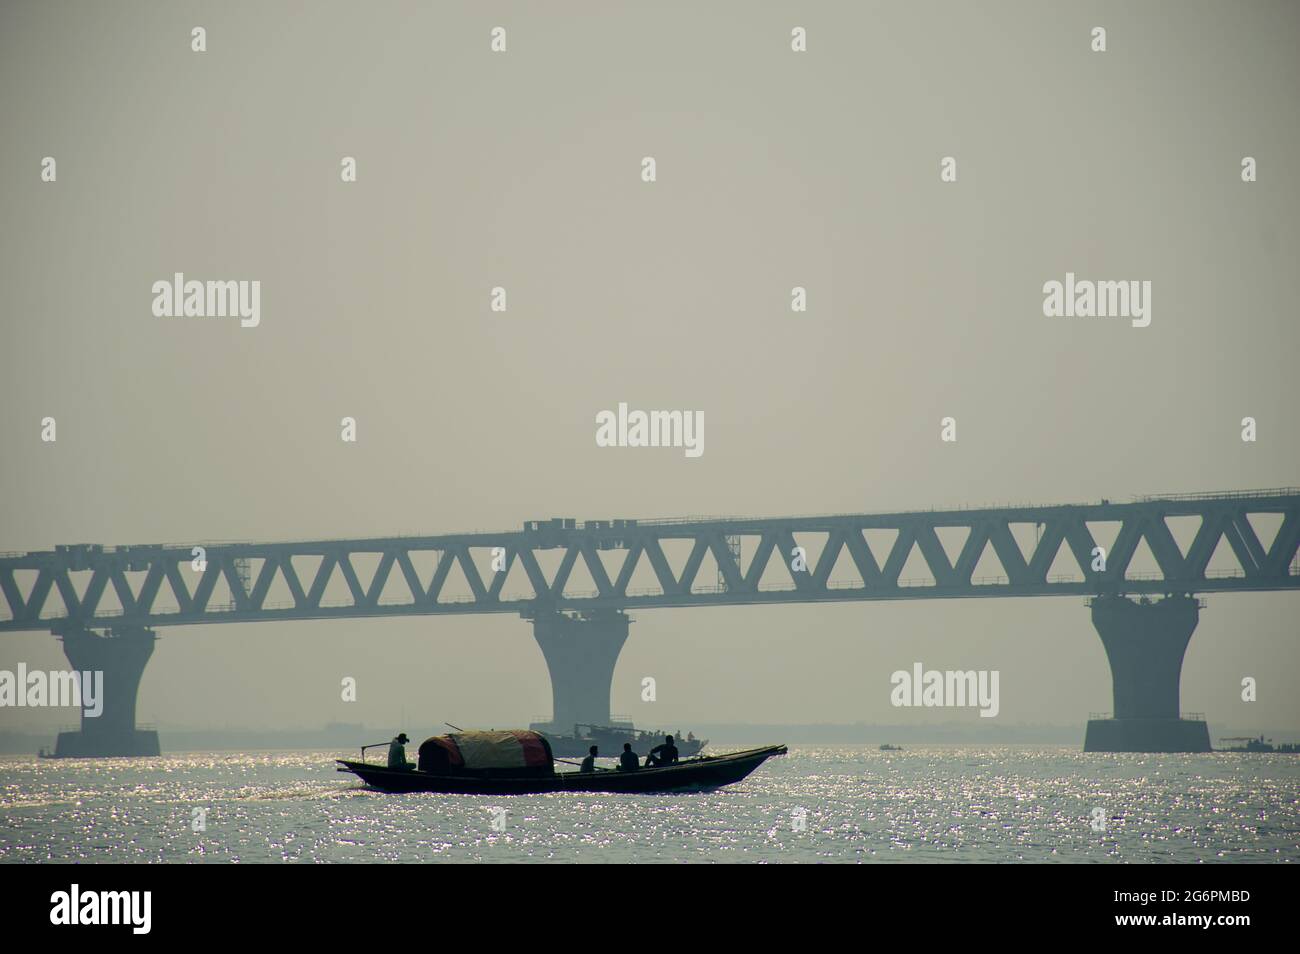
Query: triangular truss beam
159, 585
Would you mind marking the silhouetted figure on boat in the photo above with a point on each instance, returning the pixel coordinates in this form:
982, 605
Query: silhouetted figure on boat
663, 754
629, 761
589, 763
397, 753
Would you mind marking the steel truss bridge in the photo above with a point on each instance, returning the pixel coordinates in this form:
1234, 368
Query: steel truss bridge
581, 634
249, 570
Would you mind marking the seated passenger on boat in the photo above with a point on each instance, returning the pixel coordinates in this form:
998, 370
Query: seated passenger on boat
397, 753
589, 763
662, 754
629, 761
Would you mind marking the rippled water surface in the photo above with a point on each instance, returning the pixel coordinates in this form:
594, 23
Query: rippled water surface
941, 804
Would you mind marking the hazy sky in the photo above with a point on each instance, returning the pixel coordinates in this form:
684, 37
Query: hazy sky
523, 170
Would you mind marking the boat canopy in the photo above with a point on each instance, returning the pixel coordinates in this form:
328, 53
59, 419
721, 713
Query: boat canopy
487, 751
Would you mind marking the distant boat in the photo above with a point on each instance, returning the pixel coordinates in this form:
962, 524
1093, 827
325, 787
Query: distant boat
1260, 745
891, 748
519, 762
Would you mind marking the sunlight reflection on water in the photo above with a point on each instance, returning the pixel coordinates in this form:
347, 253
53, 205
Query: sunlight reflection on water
926, 804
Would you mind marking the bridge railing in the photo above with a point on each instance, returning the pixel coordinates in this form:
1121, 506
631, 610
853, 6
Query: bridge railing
1221, 495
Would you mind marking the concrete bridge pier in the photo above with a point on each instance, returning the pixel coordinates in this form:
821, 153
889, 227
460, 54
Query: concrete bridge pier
121, 655
1145, 642
581, 650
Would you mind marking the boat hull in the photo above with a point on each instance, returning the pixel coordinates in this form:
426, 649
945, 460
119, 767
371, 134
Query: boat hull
707, 772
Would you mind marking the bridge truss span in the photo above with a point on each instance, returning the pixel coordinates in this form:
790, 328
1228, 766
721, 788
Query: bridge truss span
813, 559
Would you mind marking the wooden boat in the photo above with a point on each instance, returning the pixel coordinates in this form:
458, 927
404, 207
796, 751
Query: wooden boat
701, 774
1260, 745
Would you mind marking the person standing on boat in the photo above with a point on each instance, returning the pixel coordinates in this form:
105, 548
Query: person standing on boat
629, 761
397, 753
589, 763
662, 754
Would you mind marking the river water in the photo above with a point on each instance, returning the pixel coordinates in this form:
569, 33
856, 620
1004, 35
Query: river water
819, 803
